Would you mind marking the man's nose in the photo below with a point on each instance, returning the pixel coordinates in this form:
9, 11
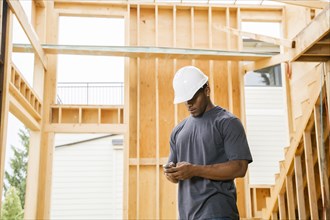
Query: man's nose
189, 102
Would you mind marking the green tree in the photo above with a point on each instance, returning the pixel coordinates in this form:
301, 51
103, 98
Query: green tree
18, 164
11, 207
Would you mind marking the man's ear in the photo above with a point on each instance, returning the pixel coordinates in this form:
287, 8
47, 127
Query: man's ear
207, 90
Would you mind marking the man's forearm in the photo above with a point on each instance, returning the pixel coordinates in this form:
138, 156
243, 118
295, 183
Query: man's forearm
222, 171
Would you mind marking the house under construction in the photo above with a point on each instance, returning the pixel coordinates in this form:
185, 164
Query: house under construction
161, 37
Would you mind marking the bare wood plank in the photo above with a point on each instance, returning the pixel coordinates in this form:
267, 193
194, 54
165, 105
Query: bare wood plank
126, 119
307, 4
148, 161
4, 98
309, 163
86, 128
319, 49
281, 206
158, 169
83, 9
322, 161
229, 75
17, 9
319, 27
290, 198
266, 62
24, 115
40, 3
264, 38
146, 52
299, 187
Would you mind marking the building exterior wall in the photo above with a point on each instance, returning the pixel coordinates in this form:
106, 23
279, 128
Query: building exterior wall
267, 131
87, 180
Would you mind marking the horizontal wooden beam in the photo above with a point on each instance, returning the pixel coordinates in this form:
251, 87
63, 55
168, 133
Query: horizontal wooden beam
146, 52
147, 161
20, 112
168, 4
264, 38
309, 4
17, 9
312, 33
91, 10
266, 62
87, 128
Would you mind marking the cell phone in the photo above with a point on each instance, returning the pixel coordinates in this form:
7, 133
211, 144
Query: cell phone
168, 165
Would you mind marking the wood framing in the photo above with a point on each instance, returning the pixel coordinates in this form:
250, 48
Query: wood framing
160, 38
30, 33
147, 52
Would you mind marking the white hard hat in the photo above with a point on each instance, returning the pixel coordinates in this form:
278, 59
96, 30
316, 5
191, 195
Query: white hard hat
186, 82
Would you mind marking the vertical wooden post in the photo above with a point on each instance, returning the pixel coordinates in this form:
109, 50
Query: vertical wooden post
157, 119
290, 197
299, 187
309, 163
38, 22
228, 42
5, 71
281, 206
323, 167
47, 138
126, 117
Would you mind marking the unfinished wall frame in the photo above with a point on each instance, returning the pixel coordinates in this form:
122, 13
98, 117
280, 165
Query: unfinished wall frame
147, 118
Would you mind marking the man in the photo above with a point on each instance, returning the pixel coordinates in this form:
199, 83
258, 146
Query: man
208, 151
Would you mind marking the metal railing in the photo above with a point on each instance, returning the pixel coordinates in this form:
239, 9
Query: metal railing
90, 93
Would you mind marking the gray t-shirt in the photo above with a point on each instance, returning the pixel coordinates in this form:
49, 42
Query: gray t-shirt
215, 137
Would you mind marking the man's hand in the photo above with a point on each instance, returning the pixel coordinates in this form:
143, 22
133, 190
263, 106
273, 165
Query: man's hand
169, 175
182, 171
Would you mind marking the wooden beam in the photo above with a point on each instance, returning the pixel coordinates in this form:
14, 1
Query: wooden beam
260, 37
308, 4
40, 3
290, 198
322, 162
309, 163
266, 62
145, 52
17, 9
299, 187
91, 10
311, 34
87, 128
6, 52
22, 114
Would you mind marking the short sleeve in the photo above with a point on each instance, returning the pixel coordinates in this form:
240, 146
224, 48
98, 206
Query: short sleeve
172, 157
235, 141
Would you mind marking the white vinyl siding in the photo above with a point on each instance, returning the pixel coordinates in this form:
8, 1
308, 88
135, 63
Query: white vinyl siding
87, 181
267, 132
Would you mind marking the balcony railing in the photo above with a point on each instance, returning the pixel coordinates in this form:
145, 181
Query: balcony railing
90, 93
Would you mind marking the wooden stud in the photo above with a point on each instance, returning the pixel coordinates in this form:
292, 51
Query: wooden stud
157, 176
230, 85
5, 95
281, 206
309, 163
299, 187
322, 162
290, 198
259, 37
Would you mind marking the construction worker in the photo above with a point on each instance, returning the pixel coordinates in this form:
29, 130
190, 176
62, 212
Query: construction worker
208, 150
